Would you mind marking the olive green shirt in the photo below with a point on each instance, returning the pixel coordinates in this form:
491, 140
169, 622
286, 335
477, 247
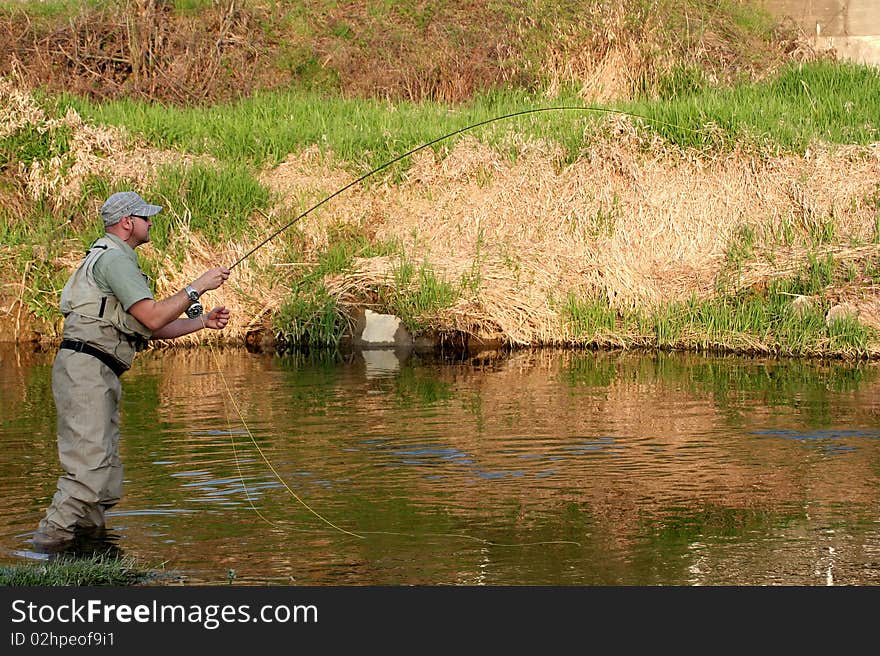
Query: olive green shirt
117, 272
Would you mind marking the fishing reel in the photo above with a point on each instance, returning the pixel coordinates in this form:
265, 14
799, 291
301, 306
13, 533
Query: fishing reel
195, 308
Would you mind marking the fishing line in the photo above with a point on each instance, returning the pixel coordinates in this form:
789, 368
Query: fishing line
360, 534
263, 456
535, 110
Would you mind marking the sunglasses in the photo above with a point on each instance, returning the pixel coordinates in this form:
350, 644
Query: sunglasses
138, 216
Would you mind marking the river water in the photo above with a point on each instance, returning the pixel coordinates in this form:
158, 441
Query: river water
544, 467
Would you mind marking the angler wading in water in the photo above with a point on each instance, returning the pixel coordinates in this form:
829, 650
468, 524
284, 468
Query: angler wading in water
109, 315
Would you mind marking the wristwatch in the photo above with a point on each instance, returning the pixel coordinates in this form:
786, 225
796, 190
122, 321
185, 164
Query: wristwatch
195, 308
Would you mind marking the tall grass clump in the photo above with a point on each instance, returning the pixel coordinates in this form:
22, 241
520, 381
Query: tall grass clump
417, 294
39, 282
32, 244
589, 317
849, 337
49, 8
309, 316
37, 226
822, 100
364, 133
218, 202
30, 144
746, 322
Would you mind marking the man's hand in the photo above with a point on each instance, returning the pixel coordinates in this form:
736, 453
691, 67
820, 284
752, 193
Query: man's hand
211, 279
217, 318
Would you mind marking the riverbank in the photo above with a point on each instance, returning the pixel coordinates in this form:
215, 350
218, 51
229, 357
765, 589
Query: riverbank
665, 255
745, 222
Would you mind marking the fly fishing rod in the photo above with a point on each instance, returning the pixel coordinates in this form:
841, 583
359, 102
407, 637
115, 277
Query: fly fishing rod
578, 108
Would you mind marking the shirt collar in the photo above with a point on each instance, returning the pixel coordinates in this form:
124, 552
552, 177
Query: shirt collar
128, 250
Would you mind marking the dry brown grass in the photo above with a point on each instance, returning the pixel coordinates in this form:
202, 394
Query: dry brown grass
637, 228
143, 49
19, 108
93, 151
445, 52
633, 46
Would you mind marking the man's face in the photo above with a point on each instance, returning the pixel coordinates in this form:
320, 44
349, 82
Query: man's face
140, 229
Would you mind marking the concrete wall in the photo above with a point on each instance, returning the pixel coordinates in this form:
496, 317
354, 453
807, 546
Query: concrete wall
850, 27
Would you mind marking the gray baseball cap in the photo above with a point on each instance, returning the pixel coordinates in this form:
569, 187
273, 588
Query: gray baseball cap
126, 203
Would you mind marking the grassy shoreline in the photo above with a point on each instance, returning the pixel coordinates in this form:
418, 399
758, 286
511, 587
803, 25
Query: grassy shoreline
96, 570
468, 236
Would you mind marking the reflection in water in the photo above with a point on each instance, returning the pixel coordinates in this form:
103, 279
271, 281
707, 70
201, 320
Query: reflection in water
566, 468
380, 362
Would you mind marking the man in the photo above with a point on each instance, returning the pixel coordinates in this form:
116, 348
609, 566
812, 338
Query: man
109, 314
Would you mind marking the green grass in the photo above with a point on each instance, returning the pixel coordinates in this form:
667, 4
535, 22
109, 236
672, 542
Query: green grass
309, 316
749, 321
830, 101
50, 8
29, 144
265, 128
42, 281
96, 570
417, 293
820, 101
589, 316
216, 201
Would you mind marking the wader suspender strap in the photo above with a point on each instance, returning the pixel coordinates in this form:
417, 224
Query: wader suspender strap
103, 300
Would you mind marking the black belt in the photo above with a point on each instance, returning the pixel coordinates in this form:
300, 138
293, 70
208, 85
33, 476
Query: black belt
115, 365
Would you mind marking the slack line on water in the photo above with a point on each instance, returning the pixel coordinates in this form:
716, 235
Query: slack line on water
361, 534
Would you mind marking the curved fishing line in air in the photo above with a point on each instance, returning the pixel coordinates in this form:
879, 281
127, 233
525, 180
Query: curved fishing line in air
535, 110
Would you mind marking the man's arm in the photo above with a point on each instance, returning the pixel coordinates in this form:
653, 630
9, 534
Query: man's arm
157, 315
216, 319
